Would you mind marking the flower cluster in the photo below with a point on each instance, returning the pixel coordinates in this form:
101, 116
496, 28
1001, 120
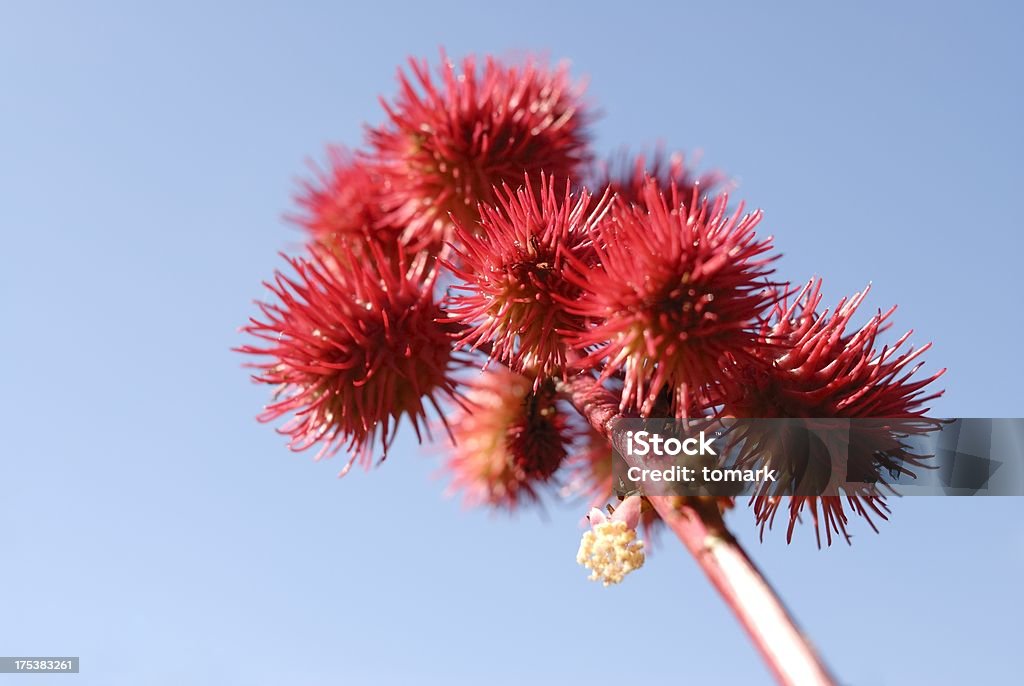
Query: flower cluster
475, 228
611, 549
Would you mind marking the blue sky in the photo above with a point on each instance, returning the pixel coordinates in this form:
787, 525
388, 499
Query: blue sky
152, 527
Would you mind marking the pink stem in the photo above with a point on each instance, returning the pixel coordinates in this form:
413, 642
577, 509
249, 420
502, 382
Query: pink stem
697, 522
787, 651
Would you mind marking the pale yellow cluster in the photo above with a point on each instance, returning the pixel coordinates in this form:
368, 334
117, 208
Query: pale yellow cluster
610, 550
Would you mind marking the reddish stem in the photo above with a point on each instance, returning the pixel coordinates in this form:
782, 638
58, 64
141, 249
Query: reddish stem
697, 522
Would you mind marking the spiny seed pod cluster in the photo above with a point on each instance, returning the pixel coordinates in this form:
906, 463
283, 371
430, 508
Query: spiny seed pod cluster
472, 261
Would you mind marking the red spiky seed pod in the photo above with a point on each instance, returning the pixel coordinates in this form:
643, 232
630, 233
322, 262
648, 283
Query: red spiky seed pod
512, 299
341, 208
509, 440
627, 176
808, 365
674, 289
449, 144
351, 352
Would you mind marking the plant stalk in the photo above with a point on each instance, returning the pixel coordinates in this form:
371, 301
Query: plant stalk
697, 523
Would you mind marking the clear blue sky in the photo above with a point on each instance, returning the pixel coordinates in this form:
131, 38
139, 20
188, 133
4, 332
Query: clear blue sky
152, 527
